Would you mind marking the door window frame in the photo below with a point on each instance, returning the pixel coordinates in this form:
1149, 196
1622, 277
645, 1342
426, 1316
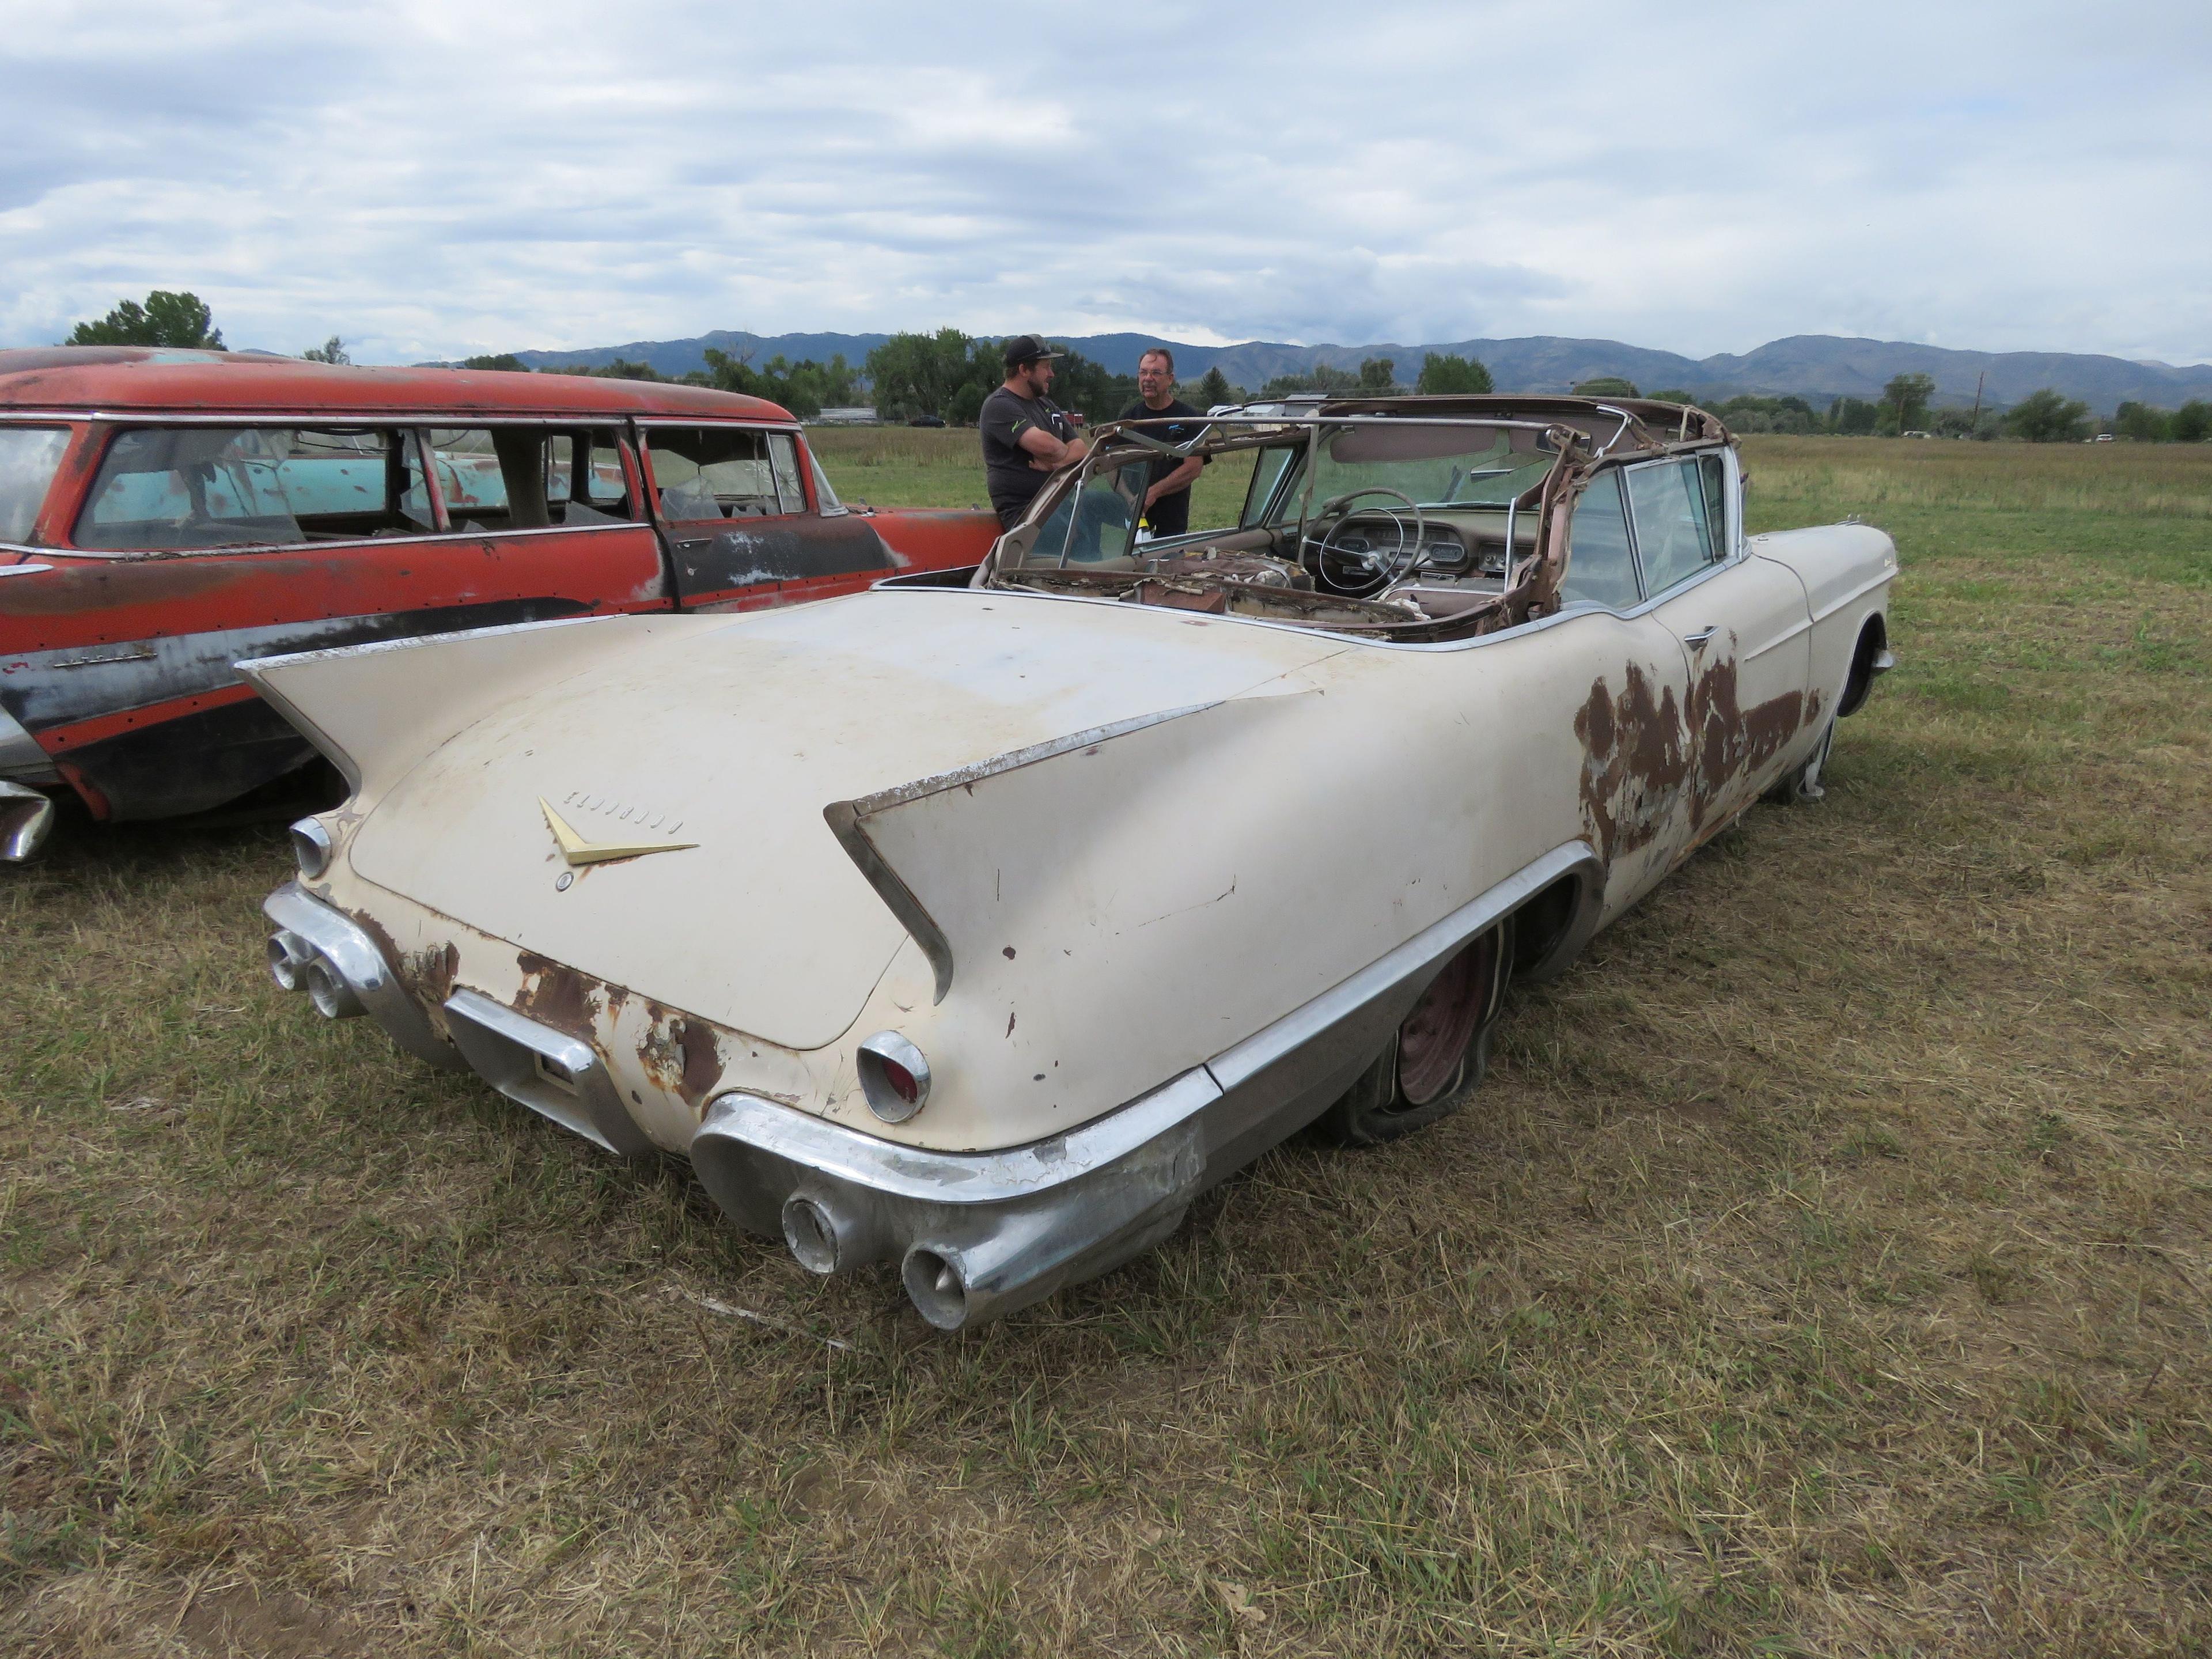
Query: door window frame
647, 424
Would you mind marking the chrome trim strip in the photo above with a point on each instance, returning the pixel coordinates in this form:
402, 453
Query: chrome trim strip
1236, 1067
356, 960
21, 569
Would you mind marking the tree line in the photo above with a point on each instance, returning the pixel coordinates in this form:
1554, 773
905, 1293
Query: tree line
947, 374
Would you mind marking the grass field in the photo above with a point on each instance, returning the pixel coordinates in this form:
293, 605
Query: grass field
1824, 1268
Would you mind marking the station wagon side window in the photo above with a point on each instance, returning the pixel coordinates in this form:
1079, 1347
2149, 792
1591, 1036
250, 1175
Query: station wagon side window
724, 473
524, 477
185, 488
1674, 534
598, 492
1600, 568
28, 457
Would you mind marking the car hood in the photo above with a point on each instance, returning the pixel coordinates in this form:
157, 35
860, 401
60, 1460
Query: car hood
729, 736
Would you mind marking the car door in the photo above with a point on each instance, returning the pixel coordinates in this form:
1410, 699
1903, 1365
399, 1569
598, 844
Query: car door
743, 531
1635, 787
1743, 623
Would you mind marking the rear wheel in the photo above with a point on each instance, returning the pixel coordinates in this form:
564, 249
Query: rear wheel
1439, 1052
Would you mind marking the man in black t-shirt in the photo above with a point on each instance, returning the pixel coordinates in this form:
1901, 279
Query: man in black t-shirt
1167, 493
1026, 436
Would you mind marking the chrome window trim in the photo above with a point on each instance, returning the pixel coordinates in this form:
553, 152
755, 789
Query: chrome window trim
254, 549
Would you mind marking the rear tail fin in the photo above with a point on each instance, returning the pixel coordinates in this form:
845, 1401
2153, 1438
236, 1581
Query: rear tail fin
374, 710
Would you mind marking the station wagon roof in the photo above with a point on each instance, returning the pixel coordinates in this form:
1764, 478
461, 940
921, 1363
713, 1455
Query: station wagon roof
157, 379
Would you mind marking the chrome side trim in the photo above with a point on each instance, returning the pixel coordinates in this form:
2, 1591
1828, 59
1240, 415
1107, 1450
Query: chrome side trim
21, 569
553, 1074
354, 957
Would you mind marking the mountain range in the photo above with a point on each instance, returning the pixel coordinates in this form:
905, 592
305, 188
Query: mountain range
1819, 368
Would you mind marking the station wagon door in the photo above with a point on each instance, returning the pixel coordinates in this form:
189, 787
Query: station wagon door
1743, 622
743, 531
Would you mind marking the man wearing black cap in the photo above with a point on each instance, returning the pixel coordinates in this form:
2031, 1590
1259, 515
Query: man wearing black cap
1026, 436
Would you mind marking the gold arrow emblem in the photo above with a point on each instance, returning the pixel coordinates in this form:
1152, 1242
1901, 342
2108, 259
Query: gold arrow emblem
578, 851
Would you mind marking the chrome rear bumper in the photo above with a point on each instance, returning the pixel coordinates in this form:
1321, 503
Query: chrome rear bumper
976, 1234
318, 950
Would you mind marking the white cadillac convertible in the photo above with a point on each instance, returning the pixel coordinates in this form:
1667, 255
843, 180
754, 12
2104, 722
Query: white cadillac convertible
976, 924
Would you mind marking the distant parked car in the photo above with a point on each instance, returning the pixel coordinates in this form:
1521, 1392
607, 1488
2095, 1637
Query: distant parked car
164, 514
925, 420
977, 929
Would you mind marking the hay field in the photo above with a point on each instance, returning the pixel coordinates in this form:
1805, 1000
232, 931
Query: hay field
1824, 1268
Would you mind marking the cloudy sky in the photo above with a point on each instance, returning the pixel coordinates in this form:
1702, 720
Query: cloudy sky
428, 179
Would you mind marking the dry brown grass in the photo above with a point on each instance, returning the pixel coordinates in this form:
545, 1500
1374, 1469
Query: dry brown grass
1824, 1269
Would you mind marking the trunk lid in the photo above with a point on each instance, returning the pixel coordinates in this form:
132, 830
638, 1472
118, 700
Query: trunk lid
732, 734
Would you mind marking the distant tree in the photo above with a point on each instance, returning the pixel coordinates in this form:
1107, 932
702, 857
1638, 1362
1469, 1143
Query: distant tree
1854, 417
331, 350
620, 369
1607, 385
1079, 383
1378, 375
166, 319
917, 373
805, 388
1965, 423
2191, 422
1322, 377
1212, 389
2048, 416
1444, 373
965, 407
1906, 399
503, 359
1750, 413
2143, 423
1673, 394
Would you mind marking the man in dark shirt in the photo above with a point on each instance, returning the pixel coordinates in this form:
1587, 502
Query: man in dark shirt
1167, 494
1026, 437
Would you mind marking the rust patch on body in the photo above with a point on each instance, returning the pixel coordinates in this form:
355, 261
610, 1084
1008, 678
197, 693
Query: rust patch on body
556, 994
1732, 742
1633, 762
430, 972
683, 1057
1640, 753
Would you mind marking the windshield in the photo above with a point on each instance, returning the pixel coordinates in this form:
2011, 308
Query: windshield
1435, 466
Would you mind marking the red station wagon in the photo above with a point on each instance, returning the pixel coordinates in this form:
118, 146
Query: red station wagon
165, 514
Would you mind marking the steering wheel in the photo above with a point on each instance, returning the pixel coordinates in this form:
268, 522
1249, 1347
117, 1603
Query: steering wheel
1384, 568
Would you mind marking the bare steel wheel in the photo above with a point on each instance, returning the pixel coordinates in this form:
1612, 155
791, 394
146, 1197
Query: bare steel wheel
1439, 1051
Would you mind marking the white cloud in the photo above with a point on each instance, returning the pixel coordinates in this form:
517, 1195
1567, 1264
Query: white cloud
431, 179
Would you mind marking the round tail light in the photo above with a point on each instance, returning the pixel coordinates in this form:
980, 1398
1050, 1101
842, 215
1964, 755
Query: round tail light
894, 1077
